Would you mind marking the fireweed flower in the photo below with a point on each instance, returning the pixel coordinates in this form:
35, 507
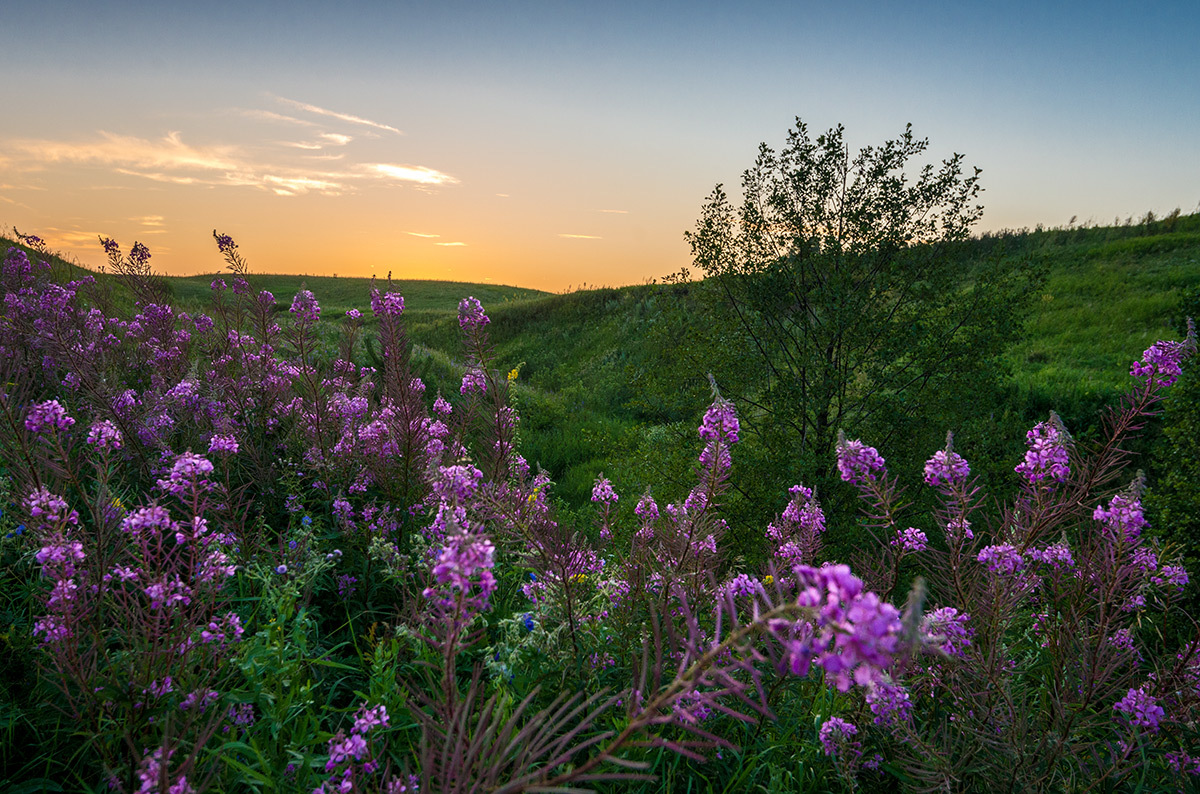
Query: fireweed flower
804, 510
104, 435
223, 445
305, 307
48, 508
187, 471
1141, 708
947, 629
835, 736
153, 519
367, 719
742, 585
1124, 516
47, 416
151, 771
1047, 456
911, 540
1056, 556
465, 564
1160, 363
603, 492
1171, 576
474, 382
857, 463
958, 529
470, 314
889, 702
647, 508
853, 635
946, 466
389, 304
1002, 559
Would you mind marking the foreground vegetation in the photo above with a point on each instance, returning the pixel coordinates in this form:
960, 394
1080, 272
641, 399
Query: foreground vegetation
248, 547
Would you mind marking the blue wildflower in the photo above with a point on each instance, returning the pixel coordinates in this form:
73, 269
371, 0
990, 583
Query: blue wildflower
528, 621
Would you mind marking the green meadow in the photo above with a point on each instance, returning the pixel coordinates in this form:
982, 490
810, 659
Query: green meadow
1106, 293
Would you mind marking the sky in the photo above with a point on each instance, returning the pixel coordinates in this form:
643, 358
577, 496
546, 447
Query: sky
557, 145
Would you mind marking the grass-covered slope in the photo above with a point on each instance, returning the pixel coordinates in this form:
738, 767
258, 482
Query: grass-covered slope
337, 294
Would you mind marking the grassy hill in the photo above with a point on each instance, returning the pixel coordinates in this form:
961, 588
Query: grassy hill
337, 294
1108, 293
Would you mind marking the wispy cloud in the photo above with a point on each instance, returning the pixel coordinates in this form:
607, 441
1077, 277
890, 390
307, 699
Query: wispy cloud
149, 220
335, 115
581, 236
419, 234
171, 159
616, 212
411, 173
270, 115
111, 149
451, 245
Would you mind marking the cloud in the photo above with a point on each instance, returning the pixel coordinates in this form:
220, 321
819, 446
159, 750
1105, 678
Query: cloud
272, 116
616, 212
340, 116
502, 195
111, 149
581, 236
451, 244
419, 234
149, 220
172, 160
411, 173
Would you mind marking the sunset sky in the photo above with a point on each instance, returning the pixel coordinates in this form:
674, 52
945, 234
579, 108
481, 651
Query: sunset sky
557, 144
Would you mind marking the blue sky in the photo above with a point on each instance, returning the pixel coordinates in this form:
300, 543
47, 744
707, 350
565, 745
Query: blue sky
557, 144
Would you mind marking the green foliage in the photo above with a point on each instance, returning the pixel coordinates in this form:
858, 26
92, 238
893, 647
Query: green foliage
1173, 501
834, 301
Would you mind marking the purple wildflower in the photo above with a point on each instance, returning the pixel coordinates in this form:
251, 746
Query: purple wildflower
1160, 363
835, 736
1047, 455
305, 307
889, 702
946, 467
368, 719
1171, 576
647, 508
470, 314
1124, 515
1056, 556
474, 382
104, 435
223, 445
1003, 558
46, 416
603, 491
957, 529
911, 540
389, 304
948, 629
188, 471
1141, 708
857, 463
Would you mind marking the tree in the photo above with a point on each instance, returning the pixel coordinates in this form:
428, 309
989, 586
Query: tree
837, 297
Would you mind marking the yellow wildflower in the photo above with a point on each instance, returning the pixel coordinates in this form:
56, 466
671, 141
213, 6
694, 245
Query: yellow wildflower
768, 579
